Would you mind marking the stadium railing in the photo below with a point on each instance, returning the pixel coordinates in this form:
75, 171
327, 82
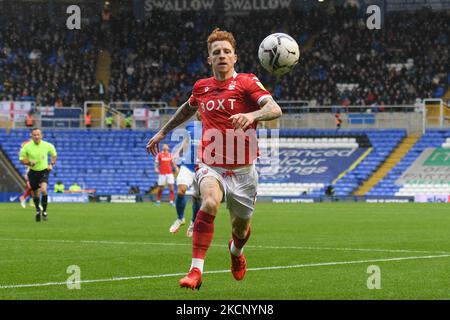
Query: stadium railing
353, 117
436, 114
296, 114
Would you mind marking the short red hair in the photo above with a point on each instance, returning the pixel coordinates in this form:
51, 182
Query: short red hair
221, 35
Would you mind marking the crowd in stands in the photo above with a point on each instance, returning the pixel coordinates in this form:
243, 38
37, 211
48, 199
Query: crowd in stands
45, 62
406, 59
159, 58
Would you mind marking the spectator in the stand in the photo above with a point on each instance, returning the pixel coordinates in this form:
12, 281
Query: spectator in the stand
101, 90
338, 119
128, 120
40, 62
153, 189
106, 14
329, 191
88, 120
62, 63
109, 120
29, 121
59, 187
75, 188
58, 103
134, 190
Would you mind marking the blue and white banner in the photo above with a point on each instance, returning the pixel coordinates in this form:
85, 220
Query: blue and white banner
61, 117
432, 198
121, 198
392, 199
68, 197
294, 200
9, 196
308, 165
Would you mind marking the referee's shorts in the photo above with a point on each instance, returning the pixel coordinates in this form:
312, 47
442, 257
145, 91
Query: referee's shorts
36, 178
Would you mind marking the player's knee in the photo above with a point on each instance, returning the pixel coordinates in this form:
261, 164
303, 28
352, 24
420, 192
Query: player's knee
210, 204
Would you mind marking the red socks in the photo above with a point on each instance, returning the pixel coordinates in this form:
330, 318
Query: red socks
160, 192
27, 193
203, 234
239, 243
159, 195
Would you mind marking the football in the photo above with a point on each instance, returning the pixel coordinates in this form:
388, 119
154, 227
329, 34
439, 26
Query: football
278, 53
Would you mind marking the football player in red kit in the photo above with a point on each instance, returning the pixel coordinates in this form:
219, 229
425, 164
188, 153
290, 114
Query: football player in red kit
163, 166
230, 105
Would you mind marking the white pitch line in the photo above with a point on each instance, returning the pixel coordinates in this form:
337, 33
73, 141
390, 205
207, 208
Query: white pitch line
98, 242
218, 245
348, 249
296, 266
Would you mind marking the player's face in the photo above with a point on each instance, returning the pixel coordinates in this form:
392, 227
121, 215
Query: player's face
36, 136
222, 58
165, 148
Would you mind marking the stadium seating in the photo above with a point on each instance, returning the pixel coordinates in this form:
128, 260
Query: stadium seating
288, 189
387, 186
113, 161
108, 161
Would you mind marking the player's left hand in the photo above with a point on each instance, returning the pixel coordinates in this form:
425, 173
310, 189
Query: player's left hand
242, 120
153, 144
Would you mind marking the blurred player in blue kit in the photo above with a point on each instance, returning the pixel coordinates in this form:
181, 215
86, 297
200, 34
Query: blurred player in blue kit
186, 175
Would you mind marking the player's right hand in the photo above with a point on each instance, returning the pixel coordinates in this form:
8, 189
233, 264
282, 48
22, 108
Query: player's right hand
153, 144
32, 163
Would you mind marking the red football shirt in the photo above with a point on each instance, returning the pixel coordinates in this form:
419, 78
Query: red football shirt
165, 162
217, 101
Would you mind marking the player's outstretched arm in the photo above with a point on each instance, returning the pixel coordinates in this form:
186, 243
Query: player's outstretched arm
269, 110
184, 113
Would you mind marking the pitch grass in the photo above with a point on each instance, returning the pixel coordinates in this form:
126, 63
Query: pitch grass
128, 240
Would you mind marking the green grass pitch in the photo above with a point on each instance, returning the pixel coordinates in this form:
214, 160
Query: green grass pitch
297, 251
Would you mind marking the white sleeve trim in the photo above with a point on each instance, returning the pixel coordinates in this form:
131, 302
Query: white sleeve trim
263, 97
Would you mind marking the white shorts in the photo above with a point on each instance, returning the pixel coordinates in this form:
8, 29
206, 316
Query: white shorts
185, 176
239, 187
164, 179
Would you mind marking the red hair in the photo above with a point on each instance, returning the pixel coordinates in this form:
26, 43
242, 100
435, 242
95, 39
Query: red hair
221, 35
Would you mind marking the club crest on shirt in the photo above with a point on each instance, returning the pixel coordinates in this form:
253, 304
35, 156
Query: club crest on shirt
206, 89
232, 85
